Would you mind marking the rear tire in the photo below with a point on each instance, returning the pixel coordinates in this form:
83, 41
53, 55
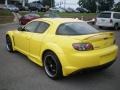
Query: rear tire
52, 66
9, 44
116, 27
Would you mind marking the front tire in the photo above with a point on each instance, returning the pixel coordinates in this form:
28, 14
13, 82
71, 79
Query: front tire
52, 66
9, 45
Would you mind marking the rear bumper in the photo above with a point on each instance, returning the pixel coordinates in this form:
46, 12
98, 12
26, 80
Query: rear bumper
95, 68
80, 61
100, 66
105, 24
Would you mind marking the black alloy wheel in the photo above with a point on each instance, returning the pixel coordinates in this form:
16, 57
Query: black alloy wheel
52, 66
9, 44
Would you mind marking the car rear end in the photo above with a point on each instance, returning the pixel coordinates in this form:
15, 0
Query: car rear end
104, 19
86, 47
94, 50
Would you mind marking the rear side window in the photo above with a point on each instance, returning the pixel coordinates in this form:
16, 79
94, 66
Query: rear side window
31, 27
104, 15
116, 15
75, 28
42, 27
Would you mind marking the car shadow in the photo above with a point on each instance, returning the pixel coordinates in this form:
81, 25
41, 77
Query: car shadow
87, 78
81, 75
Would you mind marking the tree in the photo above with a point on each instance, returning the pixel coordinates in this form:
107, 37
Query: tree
88, 4
116, 7
104, 5
50, 3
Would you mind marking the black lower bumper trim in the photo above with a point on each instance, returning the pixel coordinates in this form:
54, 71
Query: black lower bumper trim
96, 68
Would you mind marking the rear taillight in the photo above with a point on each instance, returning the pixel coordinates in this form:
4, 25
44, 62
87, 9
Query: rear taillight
111, 21
82, 46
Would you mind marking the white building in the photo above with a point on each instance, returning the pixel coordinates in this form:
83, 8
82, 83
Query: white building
6, 2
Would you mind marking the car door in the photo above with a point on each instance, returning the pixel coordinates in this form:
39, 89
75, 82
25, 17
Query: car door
22, 38
116, 18
36, 41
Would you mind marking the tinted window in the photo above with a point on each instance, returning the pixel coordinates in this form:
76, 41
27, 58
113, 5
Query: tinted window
42, 27
31, 27
76, 28
104, 15
116, 15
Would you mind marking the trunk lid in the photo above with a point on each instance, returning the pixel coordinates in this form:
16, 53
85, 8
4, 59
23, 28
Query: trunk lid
99, 40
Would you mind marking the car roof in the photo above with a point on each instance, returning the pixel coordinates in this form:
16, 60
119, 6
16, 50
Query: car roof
59, 20
109, 12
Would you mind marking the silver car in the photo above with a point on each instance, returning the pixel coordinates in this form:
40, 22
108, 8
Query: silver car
12, 8
108, 19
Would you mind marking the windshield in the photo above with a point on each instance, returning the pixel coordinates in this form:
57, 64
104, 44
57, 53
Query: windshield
75, 28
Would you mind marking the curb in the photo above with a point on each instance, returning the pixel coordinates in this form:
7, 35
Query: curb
7, 24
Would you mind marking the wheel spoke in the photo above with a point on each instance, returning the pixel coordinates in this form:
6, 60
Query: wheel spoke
50, 66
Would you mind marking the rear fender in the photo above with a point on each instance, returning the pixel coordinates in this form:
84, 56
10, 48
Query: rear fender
58, 51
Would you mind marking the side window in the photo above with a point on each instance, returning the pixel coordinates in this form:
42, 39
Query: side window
42, 27
116, 15
64, 30
31, 27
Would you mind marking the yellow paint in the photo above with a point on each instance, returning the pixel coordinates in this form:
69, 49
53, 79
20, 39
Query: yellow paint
34, 44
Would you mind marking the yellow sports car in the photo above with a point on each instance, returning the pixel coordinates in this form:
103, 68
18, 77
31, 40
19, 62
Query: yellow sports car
63, 46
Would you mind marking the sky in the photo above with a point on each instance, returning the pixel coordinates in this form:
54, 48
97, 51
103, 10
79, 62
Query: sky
69, 3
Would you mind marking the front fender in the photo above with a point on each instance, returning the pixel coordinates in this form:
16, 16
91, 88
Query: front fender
10, 34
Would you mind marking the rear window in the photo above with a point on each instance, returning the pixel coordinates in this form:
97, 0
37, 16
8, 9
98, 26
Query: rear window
75, 28
104, 15
116, 15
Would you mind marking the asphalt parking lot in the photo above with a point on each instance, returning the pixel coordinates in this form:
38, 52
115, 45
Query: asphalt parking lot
17, 72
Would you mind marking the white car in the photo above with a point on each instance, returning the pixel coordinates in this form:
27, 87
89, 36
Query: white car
108, 19
58, 9
12, 8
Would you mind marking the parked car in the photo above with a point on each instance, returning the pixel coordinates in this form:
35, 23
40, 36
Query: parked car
63, 46
76, 11
28, 17
2, 7
21, 7
82, 10
58, 9
12, 8
51, 13
36, 7
69, 10
108, 19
